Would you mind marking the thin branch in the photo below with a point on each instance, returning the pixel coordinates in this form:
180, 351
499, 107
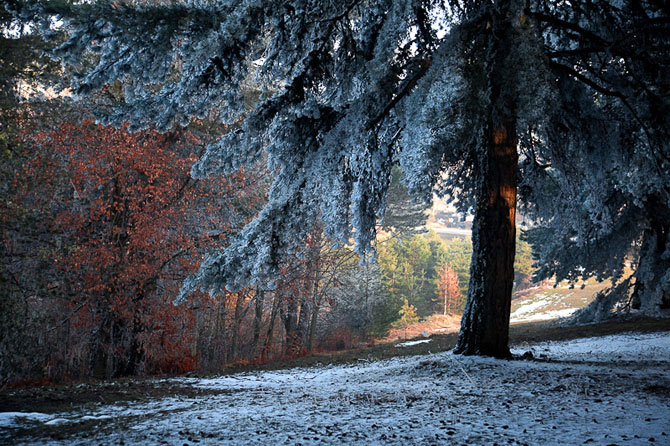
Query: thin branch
68, 317
338, 17
567, 25
423, 68
591, 83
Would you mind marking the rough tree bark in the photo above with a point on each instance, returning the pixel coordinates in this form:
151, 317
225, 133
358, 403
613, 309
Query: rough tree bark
316, 306
485, 322
651, 291
239, 314
267, 345
258, 319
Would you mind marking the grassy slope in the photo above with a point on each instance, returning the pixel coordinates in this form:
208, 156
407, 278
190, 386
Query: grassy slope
561, 297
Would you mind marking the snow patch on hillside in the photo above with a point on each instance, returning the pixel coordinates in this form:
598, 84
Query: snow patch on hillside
543, 316
544, 306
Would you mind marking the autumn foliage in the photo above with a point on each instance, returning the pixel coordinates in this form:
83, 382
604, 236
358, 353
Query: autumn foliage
99, 231
129, 224
448, 291
100, 226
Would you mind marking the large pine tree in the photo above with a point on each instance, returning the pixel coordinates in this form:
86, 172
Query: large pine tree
462, 88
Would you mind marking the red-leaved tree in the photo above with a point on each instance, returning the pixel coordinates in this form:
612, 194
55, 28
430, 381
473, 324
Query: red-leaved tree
448, 293
131, 224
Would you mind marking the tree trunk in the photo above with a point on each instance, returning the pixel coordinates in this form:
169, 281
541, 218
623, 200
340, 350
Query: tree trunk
485, 322
136, 352
258, 319
316, 305
269, 336
236, 325
651, 292
315, 256
302, 330
100, 357
290, 319
220, 328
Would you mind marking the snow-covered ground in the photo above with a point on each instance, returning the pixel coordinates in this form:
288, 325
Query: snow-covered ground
608, 390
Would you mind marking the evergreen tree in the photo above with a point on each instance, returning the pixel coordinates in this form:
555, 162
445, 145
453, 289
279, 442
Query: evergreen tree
598, 209
409, 269
407, 315
458, 87
404, 213
523, 264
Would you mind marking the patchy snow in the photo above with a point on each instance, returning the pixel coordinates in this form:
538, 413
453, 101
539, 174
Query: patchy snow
57, 421
528, 308
411, 343
543, 307
544, 315
630, 347
597, 391
9, 419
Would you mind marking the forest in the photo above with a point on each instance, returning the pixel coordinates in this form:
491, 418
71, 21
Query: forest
189, 188
101, 226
